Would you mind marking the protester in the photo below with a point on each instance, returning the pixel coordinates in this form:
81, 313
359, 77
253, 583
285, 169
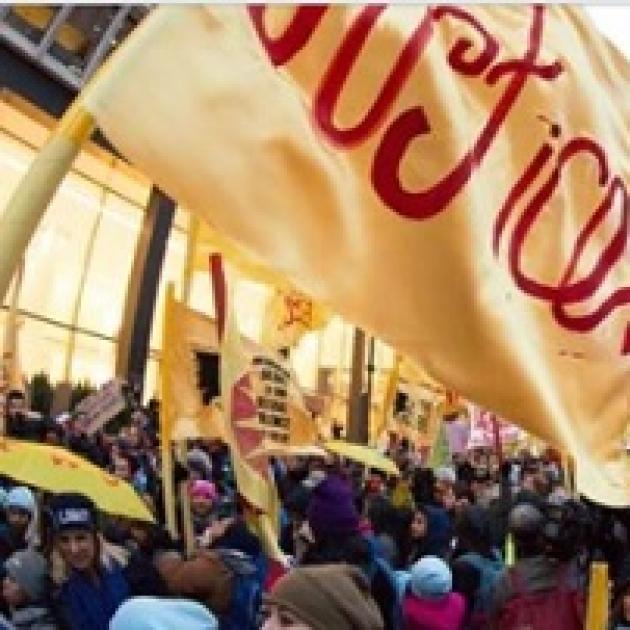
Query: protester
621, 608
151, 613
322, 598
387, 529
26, 590
431, 604
476, 565
203, 502
93, 576
332, 529
427, 532
20, 508
557, 601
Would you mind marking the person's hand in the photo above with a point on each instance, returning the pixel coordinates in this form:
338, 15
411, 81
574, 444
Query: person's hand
215, 530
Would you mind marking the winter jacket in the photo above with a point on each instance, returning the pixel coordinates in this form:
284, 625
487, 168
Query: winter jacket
85, 604
538, 573
426, 614
88, 604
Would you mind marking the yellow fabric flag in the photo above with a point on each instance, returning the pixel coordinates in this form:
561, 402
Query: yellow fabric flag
289, 314
192, 368
450, 178
253, 477
389, 400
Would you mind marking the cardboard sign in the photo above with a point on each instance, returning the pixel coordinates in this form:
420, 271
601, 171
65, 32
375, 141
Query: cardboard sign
102, 406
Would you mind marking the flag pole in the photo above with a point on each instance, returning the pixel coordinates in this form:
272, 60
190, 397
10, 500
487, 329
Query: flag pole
498, 446
168, 485
182, 445
34, 192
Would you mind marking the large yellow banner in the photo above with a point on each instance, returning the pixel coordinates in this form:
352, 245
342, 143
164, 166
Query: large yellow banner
450, 178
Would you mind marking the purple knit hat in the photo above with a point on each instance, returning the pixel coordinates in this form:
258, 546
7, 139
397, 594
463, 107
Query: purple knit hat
331, 510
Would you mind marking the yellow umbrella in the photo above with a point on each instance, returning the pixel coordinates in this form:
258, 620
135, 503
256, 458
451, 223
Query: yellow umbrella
56, 470
284, 450
366, 455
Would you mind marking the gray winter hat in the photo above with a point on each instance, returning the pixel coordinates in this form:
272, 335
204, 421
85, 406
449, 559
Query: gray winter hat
30, 570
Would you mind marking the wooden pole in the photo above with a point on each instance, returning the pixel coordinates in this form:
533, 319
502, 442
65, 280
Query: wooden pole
166, 420
182, 446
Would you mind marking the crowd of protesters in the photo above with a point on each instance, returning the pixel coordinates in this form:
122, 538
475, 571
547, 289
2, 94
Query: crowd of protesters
422, 551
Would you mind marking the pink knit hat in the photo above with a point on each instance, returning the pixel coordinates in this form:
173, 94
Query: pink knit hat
205, 489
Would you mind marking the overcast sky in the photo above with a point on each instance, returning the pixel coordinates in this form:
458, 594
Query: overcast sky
614, 21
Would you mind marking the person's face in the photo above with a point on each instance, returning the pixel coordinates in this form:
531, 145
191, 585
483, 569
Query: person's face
13, 593
277, 618
447, 497
461, 503
17, 518
418, 527
16, 406
200, 505
529, 482
194, 475
52, 438
76, 427
78, 549
122, 469
139, 534
133, 436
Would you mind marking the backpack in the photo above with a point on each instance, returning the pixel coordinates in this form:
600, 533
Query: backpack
247, 589
392, 591
490, 570
559, 607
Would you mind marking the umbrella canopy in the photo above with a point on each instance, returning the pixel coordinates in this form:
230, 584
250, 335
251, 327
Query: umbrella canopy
57, 470
363, 455
283, 450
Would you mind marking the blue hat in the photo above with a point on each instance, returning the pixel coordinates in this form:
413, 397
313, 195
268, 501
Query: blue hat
431, 578
153, 613
21, 498
72, 511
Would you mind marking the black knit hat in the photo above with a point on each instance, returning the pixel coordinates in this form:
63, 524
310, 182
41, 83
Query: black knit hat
72, 511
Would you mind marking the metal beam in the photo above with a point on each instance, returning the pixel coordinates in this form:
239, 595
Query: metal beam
25, 46
62, 14
135, 333
357, 423
104, 44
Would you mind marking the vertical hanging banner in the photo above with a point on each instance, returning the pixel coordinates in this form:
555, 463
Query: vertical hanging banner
453, 179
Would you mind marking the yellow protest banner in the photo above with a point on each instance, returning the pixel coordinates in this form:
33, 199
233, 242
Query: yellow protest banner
452, 179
